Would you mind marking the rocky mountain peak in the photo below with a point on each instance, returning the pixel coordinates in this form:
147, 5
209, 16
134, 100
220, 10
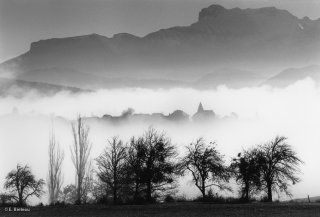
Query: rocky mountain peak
125, 36
211, 11
216, 11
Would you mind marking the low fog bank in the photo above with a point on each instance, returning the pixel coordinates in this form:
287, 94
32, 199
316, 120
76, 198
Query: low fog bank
246, 102
263, 113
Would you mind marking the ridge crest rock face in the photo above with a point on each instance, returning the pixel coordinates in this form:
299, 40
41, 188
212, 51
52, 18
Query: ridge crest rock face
232, 38
211, 11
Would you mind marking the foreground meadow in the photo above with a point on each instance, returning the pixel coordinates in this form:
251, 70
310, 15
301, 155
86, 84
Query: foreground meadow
188, 209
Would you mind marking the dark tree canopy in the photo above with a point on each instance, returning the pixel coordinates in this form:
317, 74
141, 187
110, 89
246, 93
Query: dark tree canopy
246, 170
100, 191
156, 162
279, 166
206, 166
112, 167
135, 161
22, 184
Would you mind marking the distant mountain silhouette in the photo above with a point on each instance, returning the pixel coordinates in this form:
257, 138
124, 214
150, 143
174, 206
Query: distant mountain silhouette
220, 37
68, 77
292, 75
234, 78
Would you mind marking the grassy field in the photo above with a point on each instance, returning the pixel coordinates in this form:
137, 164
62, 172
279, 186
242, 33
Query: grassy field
178, 210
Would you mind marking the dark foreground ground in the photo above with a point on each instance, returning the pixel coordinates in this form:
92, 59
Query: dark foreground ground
178, 210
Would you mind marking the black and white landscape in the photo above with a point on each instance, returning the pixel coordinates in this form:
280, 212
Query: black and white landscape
236, 47
239, 75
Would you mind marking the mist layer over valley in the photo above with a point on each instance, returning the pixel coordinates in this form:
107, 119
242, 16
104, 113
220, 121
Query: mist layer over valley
262, 113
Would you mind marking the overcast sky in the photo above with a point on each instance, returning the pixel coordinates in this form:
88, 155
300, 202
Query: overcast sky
25, 21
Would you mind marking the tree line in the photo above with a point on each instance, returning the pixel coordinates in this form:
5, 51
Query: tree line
148, 167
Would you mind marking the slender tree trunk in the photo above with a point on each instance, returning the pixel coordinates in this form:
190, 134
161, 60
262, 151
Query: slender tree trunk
247, 196
51, 197
115, 184
149, 198
203, 189
269, 192
136, 192
247, 192
20, 200
115, 195
79, 191
106, 195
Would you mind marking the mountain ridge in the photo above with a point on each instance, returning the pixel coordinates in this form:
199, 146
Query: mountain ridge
292, 75
20, 88
219, 38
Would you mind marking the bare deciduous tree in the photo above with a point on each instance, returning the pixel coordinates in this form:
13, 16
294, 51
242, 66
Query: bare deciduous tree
112, 166
206, 166
100, 191
246, 170
80, 152
135, 160
87, 184
22, 184
159, 168
69, 194
279, 165
54, 180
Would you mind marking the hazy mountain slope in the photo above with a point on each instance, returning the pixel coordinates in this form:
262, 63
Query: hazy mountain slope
220, 38
233, 78
19, 88
67, 77
292, 75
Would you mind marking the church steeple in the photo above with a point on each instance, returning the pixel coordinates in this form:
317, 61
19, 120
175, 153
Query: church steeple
200, 107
